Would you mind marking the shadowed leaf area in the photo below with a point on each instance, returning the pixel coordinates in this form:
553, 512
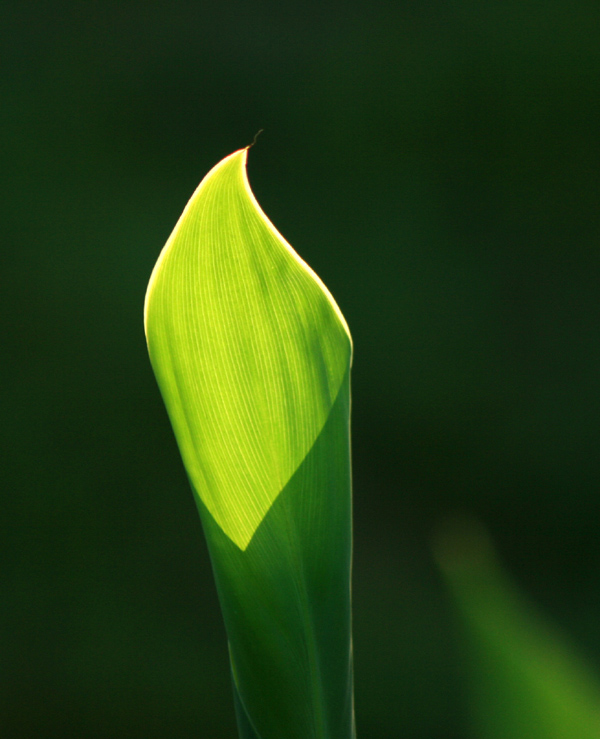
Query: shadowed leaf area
291, 653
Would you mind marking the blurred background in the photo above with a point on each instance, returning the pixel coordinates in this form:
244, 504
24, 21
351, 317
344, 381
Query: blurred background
437, 163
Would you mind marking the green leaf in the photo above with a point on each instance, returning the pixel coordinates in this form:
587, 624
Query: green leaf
526, 680
249, 348
252, 357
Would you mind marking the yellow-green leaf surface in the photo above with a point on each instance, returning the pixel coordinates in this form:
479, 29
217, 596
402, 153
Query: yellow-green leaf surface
248, 346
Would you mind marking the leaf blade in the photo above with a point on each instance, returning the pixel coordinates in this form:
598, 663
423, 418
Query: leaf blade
236, 304
249, 337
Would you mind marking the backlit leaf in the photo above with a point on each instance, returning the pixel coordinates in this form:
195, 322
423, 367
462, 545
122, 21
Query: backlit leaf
252, 357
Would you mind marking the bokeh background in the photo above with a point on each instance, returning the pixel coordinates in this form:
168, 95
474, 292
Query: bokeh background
437, 163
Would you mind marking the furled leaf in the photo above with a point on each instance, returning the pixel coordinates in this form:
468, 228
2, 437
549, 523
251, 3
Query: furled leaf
252, 357
526, 681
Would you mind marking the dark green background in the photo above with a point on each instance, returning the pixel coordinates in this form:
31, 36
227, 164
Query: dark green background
437, 163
